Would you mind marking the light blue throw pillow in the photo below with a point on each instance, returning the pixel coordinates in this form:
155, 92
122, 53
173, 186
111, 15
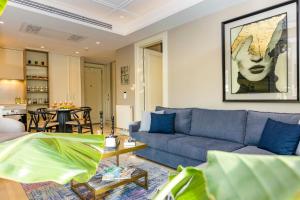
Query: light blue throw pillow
146, 120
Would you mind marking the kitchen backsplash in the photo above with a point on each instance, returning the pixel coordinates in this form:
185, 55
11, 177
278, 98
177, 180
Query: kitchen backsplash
10, 89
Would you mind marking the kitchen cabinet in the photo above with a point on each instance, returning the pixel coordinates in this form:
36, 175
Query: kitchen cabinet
11, 64
65, 78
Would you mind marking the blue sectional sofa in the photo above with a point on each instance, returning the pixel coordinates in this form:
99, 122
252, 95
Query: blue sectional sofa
199, 130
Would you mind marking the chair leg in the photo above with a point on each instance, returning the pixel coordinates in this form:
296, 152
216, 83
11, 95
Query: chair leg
79, 129
91, 127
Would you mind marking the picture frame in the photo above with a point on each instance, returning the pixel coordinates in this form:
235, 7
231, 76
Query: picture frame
125, 75
260, 55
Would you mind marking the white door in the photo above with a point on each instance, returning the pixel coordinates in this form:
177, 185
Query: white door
153, 79
93, 91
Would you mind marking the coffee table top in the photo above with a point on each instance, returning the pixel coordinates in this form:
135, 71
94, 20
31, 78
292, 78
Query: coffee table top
97, 184
120, 149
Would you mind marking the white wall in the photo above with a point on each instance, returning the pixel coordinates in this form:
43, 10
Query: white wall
10, 89
195, 63
125, 57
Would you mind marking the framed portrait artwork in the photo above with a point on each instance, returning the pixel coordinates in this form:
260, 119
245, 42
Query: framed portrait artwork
125, 75
260, 55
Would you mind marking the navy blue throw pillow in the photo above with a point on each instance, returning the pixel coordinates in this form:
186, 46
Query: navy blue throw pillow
162, 123
280, 138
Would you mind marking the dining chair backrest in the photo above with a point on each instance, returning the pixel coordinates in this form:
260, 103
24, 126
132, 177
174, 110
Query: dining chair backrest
87, 114
42, 111
36, 116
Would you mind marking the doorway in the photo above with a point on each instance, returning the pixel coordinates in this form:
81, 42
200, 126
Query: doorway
151, 74
152, 78
93, 91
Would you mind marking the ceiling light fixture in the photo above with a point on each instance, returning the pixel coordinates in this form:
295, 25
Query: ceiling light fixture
122, 17
98, 43
42, 47
77, 52
1, 22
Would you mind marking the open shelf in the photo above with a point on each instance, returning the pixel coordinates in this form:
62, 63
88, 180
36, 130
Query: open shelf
37, 91
37, 79
32, 65
37, 76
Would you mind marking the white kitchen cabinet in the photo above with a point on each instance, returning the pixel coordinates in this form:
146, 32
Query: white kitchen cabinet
65, 78
11, 64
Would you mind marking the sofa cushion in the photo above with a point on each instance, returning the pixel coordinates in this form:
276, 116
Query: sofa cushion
280, 138
155, 140
162, 123
182, 120
256, 122
196, 147
146, 120
220, 124
253, 150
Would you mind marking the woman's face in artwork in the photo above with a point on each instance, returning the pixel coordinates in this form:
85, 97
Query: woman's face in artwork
253, 67
253, 50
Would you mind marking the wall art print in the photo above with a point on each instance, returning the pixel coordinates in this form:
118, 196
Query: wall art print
260, 55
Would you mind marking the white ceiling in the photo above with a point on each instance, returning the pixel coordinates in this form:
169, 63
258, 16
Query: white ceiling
125, 16
132, 20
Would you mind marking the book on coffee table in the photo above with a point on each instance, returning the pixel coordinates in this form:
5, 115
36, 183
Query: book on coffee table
117, 173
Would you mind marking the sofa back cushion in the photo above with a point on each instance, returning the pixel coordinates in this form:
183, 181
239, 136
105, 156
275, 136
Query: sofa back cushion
182, 120
219, 124
256, 122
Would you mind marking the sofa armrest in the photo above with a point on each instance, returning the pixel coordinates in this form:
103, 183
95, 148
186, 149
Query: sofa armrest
134, 126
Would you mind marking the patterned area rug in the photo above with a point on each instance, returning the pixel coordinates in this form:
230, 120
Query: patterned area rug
157, 175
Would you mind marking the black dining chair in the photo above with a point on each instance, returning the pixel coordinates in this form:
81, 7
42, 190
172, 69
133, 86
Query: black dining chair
42, 112
41, 121
81, 120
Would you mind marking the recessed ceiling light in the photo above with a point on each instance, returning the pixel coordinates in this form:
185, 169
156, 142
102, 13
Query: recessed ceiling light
1, 22
122, 17
77, 52
98, 43
86, 48
42, 47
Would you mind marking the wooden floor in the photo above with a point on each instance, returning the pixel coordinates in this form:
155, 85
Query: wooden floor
10, 190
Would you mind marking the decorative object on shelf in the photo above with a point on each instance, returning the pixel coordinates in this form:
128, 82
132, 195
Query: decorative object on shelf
42, 63
101, 122
34, 101
260, 55
125, 75
29, 62
36, 62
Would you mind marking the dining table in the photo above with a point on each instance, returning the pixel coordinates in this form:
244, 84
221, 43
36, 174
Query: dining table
63, 116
